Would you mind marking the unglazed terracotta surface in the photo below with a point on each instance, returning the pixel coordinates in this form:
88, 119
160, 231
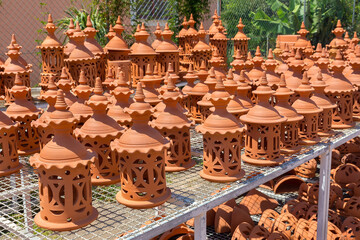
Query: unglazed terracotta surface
201, 51
241, 41
65, 84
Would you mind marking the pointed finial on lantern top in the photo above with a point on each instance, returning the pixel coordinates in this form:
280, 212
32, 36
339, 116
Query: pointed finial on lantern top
82, 78
355, 39
230, 74
240, 26
298, 55
50, 26
282, 82
270, 55
77, 28
18, 81
184, 23
157, 31
98, 90
64, 75
249, 56
338, 54
88, 22
71, 24
170, 86
50, 20
118, 20
319, 80
143, 28
14, 47
338, 24
51, 84
202, 65
148, 70
219, 84
258, 52
60, 101
139, 94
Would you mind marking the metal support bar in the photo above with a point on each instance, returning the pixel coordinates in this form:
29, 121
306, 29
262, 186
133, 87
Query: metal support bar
324, 193
28, 221
200, 226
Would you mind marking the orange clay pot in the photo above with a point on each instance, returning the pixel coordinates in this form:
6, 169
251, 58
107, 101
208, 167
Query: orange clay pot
263, 129
296, 208
63, 167
201, 51
290, 129
205, 104
242, 231
256, 73
308, 127
307, 170
239, 215
241, 41
139, 150
285, 224
24, 112
96, 134
270, 65
65, 84
222, 134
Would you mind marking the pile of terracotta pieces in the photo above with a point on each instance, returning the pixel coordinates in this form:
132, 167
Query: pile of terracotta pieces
98, 131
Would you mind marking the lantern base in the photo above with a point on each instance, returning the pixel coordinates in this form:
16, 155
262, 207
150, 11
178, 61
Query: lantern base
105, 181
54, 226
10, 171
342, 126
178, 169
223, 179
262, 162
326, 134
310, 141
28, 151
144, 204
291, 150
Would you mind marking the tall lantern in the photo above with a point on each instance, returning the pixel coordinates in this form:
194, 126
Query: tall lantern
338, 42
219, 42
191, 38
158, 38
181, 38
241, 41
201, 51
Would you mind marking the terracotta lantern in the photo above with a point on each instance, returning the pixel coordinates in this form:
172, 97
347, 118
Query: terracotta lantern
263, 129
235, 106
302, 41
41, 125
355, 40
63, 168
70, 45
270, 65
238, 65
191, 39
91, 44
354, 78
201, 51
314, 69
347, 38
140, 150
256, 73
222, 134
285, 55
249, 64
9, 160
243, 91
322, 101
338, 41
52, 55
81, 111
278, 52
297, 65
142, 54
218, 62
118, 53
289, 140
109, 84
181, 39
241, 41
190, 79
122, 95
307, 53
219, 42
14, 66
168, 52
158, 38
308, 127
111, 33
205, 103
213, 29
149, 81
96, 134
340, 91
197, 93
323, 63
65, 84
174, 124
81, 58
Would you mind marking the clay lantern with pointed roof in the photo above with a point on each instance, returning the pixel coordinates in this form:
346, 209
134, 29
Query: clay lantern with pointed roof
149, 81
9, 159
346, 37
263, 129
181, 39
142, 54
222, 134
297, 65
52, 55
217, 62
158, 38
256, 73
111, 33
302, 41
238, 65
65, 84
174, 124
322, 101
354, 78
289, 140
168, 52
201, 51
190, 79
81, 111
341, 92
278, 52
235, 105
338, 41
283, 66
219, 42
96, 134
314, 69
244, 90
249, 64
41, 125
109, 84
307, 53
91, 44
81, 58
13, 66
191, 39
205, 103
63, 167
213, 29
24, 112
308, 127
70, 45
141, 146
122, 94
323, 63
355, 39
241, 41
270, 65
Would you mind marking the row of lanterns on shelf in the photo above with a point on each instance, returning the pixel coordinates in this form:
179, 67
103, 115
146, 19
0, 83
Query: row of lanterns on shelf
101, 138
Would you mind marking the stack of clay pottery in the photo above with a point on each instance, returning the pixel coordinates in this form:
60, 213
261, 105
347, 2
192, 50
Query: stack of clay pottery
181, 38
308, 127
122, 95
290, 129
214, 26
149, 81
270, 65
81, 58
217, 62
96, 134
201, 51
41, 125
205, 104
313, 70
323, 63
118, 52
297, 65
79, 109
65, 84
174, 124
52, 55
191, 39
263, 129
340, 91
141, 149
302, 41
9, 160
354, 78
338, 42
190, 78
322, 101
24, 112
256, 72
219, 42
158, 38
63, 167
71, 43
13, 66
222, 134
141, 55
241, 41
243, 91
91, 44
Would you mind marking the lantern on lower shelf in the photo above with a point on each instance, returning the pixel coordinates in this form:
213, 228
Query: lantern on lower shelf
222, 134
141, 149
96, 134
263, 129
63, 167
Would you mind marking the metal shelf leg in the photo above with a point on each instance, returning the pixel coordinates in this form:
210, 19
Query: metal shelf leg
200, 226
